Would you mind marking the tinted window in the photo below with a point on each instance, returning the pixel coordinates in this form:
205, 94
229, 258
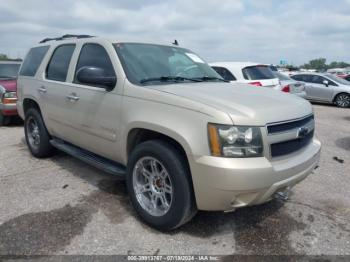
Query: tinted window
317, 79
33, 60
304, 78
347, 78
58, 66
9, 70
225, 74
94, 55
257, 73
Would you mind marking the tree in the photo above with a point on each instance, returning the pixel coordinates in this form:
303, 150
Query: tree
3, 57
336, 64
319, 64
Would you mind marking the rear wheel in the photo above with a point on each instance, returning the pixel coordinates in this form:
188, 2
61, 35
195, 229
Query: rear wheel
37, 136
159, 185
342, 100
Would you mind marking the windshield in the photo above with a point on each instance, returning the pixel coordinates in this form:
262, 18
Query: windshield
259, 72
9, 70
281, 76
156, 64
338, 79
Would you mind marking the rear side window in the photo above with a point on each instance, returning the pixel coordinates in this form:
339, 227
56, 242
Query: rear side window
257, 73
224, 73
57, 69
304, 78
94, 55
33, 60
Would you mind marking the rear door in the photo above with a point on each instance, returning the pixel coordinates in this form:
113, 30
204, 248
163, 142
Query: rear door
59, 112
260, 75
309, 86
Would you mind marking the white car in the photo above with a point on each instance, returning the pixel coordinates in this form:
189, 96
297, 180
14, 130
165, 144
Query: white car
247, 72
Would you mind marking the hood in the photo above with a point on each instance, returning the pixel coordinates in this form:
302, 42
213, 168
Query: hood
9, 84
246, 105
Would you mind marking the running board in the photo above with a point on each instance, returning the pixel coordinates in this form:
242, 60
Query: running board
88, 157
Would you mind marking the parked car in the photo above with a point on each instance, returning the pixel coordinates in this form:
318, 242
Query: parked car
289, 85
248, 73
346, 77
161, 118
8, 86
325, 87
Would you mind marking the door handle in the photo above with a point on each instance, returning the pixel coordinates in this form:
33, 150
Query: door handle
42, 90
72, 97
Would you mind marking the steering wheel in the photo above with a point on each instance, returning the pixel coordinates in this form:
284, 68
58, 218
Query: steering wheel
186, 71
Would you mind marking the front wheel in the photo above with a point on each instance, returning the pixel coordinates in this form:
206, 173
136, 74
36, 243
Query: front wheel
159, 185
342, 100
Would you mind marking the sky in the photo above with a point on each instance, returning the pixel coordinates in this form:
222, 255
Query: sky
265, 31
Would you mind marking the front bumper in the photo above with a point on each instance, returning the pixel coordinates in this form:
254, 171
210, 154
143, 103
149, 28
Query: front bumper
224, 184
8, 109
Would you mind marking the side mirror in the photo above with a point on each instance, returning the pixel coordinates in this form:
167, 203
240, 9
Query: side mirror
325, 82
96, 76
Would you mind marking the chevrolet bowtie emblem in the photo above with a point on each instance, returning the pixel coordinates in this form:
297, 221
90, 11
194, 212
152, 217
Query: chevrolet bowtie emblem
302, 132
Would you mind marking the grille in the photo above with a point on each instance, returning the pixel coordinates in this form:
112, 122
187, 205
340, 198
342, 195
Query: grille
288, 147
295, 143
288, 126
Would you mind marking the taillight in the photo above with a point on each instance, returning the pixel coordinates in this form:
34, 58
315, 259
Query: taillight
255, 83
286, 89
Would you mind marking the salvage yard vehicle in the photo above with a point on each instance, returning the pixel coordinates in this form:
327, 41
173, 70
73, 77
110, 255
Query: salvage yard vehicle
8, 86
247, 72
326, 88
290, 85
161, 118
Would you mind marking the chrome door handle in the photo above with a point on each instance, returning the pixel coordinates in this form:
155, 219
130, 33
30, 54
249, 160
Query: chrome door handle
42, 90
72, 97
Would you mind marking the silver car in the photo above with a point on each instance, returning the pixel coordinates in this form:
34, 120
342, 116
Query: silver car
324, 87
290, 85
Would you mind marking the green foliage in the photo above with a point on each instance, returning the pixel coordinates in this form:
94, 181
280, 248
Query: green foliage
3, 57
320, 64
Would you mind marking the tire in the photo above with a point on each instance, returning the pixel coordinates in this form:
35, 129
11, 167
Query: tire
342, 100
37, 136
181, 205
4, 120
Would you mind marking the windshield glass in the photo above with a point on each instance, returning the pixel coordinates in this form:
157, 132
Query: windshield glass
338, 79
9, 70
281, 76
156, 64
259, 72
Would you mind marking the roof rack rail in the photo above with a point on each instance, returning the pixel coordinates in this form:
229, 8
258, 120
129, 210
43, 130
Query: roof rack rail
67, 36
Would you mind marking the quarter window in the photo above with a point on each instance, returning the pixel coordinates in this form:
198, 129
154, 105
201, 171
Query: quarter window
224, 73
94, 55
33, 60
57, 69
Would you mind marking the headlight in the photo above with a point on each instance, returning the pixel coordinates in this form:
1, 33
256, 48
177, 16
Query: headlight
235, 141
10, 95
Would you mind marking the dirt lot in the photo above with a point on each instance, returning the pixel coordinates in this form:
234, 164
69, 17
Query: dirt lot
62, 206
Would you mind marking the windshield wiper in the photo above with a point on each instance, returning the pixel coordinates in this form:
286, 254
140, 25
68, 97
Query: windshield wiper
169, 78
210, 78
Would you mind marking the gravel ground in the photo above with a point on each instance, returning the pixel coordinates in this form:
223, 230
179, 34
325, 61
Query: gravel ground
62, 206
